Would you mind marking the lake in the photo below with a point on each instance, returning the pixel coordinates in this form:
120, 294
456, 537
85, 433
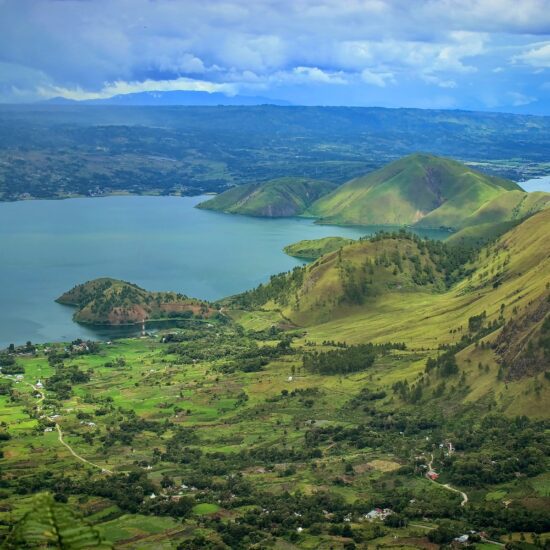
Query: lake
536, 184
159, 243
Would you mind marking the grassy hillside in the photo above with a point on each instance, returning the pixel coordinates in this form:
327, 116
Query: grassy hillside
419, 189
359, 274
355, 296
114, 302
273, 199
315, 248
477, 235
379, 287
511, 206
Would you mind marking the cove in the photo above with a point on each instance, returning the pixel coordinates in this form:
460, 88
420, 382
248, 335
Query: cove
159, 243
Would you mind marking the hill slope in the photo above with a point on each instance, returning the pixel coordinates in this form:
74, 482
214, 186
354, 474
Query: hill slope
113, 302
418, 189
273, 199
489, 308
357, 275
357, 292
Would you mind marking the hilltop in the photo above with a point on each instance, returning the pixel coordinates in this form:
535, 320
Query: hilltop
420, 189
276, 198
113, 302
311, 249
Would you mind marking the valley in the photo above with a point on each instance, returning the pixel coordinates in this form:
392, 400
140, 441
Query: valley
352, 402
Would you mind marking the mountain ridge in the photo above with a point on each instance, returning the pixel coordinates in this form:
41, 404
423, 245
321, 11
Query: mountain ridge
171, 98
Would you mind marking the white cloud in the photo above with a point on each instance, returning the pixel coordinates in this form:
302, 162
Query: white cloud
315, 74
442, 83
538, 56
122, 87
376, 79
519, 99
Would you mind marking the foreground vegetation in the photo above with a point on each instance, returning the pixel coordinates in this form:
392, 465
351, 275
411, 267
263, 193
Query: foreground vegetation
407, 415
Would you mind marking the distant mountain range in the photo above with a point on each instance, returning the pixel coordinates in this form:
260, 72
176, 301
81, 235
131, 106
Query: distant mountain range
171, 98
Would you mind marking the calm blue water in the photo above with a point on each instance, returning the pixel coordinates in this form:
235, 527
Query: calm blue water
160, 243
536, 184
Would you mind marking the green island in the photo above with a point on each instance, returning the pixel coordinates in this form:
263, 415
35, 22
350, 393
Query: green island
107, 301
391, 394
315, 248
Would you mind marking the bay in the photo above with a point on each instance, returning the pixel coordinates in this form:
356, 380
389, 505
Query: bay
159, 243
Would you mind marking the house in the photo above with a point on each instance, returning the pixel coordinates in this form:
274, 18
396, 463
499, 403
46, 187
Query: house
378, 513
39, 384
432, 475
463, 539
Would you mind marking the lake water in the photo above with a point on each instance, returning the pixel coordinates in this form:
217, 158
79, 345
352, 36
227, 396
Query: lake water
536, 184
159, 243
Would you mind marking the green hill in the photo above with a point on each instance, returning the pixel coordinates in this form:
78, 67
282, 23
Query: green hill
315, 248
358, 274
419, 189
392, 278
276, 198
498, 216
113, 302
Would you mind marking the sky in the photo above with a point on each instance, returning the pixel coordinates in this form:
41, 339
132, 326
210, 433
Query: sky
448, 54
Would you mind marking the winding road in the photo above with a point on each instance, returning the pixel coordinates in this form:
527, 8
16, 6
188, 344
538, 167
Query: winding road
74, 453
60, 432
446, 485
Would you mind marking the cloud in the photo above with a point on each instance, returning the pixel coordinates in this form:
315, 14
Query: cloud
376, 79
519, 99
538, 56
75, 47
314, 74
122, 87
442, 83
